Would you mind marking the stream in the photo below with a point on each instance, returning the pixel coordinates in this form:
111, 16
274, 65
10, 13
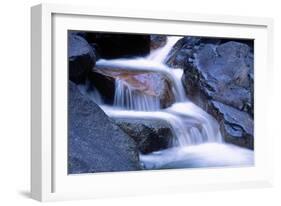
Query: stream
198, 141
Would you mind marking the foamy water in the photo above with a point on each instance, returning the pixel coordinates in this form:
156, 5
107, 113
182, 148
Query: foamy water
197, 156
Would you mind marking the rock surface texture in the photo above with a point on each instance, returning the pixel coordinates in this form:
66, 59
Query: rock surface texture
81, 58
95, 143
149, 134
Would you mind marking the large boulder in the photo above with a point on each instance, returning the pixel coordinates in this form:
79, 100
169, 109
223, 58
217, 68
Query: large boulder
81, 58
149, 134
183, 51
223, 73
219, 78
95, 143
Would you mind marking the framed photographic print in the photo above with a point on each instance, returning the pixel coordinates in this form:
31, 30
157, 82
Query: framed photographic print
137, 102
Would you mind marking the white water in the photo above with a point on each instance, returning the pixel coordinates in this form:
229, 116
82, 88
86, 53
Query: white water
126, 97
160, 54
188, 128
198, 140
147, 65
196, 156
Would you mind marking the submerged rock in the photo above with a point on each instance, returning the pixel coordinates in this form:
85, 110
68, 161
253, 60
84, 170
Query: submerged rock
81, 58
219, 78
149, 134
95, 143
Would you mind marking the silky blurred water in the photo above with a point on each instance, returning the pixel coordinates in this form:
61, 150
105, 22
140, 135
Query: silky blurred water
197, 156
198, 140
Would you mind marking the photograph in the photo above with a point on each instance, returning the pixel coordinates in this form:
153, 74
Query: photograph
141, 102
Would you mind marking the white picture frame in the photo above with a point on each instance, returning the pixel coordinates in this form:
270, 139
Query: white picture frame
49, 179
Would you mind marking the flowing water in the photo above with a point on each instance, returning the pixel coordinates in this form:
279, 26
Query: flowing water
198, 141
125, 97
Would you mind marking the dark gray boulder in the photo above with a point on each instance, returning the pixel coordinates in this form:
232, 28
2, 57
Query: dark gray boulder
182, 52
81, 58
219, 78
237, 126
95, 143
149, 134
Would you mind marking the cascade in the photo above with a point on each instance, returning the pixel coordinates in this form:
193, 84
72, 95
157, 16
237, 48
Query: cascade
197, 133
129, 103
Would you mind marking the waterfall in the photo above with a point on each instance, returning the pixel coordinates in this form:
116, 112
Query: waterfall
183, 133
147, 65
178, 115
128, 98
160, 54
192, 126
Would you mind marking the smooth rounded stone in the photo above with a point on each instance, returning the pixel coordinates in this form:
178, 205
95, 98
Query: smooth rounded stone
95, 143
157, 41
81, 58
149, 134
220, 80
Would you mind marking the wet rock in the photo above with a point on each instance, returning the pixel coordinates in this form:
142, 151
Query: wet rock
147, 83
219, 78
237, 126
157, 41
149, 134
95, 143
182, 52
81, 58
